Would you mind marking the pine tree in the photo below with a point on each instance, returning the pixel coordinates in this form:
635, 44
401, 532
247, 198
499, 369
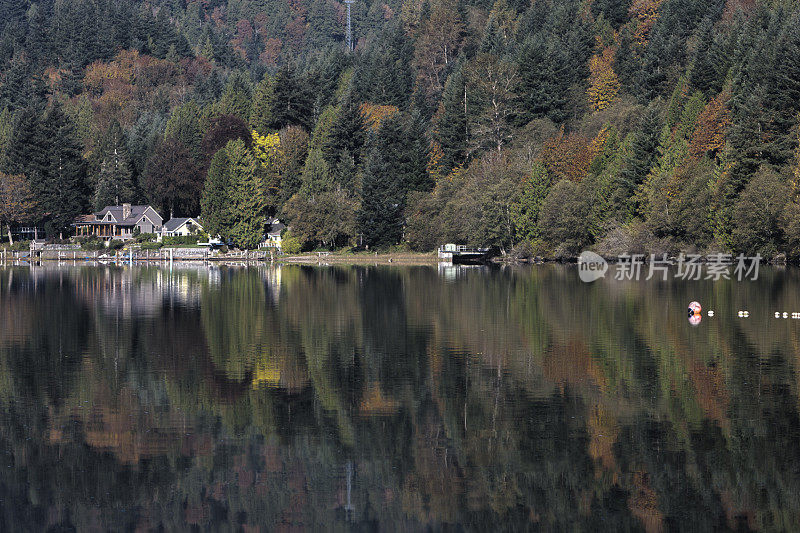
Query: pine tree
63, 193
115, 183
417, 155
544, 80
45, 150
383, 190
643, 149
526, 210
237, 96
292, 101
6, 132
184, 125
247, 201
704, 74
214, 203
261, 119
344, 143
451, 130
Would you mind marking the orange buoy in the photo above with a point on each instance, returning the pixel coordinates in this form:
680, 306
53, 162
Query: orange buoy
694, 308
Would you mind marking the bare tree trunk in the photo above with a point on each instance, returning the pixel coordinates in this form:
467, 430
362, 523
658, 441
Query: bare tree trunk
10, 238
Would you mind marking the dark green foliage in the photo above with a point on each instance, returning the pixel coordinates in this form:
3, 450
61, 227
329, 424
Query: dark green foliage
45, 150
384, 76
565, 218
614, 11
344, 143
214, 203
115, 183
172, 182
451, 131
292, 101
223, 129
544, 80
383, 189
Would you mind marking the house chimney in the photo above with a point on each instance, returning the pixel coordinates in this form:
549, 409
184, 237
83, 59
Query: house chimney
126, 211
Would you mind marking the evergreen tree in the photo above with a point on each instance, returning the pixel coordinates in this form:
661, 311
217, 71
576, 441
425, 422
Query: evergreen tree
247, 201
115, 183
344, 143
215, 200
292, 101
45, 150
525, 212
184, 125
172, 180
704, 74
383, 189
451, 130
644, 149
416, 154
544, 80
236, 99
261, 111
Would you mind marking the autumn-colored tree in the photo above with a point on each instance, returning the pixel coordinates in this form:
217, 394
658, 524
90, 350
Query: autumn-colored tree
712, 125
568, 156
646, 14
436, 47
374, 115
268, 154
16, 201
603, 81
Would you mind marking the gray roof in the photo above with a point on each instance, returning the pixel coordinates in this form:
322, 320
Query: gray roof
176, 223
276, 228
116, 211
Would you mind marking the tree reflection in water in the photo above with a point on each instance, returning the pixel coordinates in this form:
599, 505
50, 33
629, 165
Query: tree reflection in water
399, 398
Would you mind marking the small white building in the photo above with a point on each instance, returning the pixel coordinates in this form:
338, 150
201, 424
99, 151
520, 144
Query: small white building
181, 227
273, 239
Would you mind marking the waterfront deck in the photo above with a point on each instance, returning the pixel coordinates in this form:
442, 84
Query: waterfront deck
459, 254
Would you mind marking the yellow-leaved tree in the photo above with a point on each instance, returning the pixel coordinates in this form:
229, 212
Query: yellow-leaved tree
603, 81
268, 153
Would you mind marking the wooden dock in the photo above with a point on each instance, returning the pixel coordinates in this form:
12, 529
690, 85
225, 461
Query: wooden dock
460, 254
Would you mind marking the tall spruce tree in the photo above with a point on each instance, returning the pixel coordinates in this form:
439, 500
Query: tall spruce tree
384, 187
45, 150
451, 126
248, 203
115, 184
216, 195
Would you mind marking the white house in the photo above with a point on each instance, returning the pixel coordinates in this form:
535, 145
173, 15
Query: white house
181, 227
273, 239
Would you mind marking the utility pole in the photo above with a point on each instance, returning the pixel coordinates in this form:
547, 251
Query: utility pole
349, 36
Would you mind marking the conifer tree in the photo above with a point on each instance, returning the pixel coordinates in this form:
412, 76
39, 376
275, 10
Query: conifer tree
261, 118
383, 191
115, 183
247, 197
236, 99
214, 203
184, 125
45, 150
451, 129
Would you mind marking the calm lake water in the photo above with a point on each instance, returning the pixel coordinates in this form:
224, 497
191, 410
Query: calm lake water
340, 398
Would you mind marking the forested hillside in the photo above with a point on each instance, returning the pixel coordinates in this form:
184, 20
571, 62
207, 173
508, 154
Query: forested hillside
541, 127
